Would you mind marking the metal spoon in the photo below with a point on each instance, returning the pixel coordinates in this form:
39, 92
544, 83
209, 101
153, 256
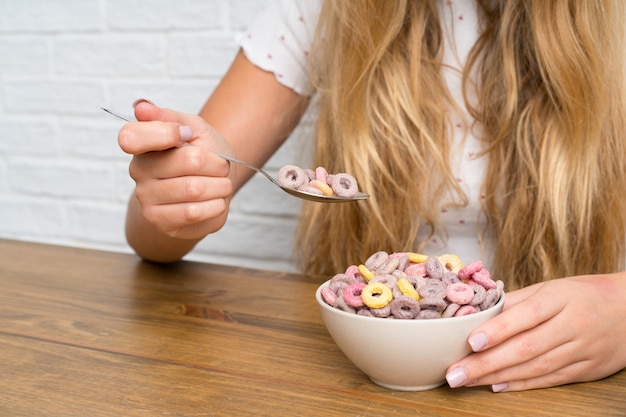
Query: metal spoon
297, 193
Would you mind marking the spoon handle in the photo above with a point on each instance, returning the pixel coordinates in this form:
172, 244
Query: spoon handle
247, 165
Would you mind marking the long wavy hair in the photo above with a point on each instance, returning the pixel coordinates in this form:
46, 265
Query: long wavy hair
550, 94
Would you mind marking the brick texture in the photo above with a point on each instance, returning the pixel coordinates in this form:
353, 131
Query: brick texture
63, 179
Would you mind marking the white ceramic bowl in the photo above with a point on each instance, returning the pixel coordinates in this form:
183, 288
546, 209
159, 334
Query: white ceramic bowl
405, 355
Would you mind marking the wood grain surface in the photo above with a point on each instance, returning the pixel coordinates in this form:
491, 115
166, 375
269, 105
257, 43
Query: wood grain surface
91, 333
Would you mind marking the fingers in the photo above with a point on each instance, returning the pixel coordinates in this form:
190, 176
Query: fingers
141, 137
180, 190
515, 318
178, 162
184, 220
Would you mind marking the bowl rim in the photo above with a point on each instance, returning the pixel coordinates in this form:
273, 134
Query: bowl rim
322, 304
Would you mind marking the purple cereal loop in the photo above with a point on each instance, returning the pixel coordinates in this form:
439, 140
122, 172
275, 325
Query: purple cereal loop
464, 311
433, 303
434, 269
388, 266
450, 310
388, 280
329, 296
309, 173
459, 293
404, 307
500, 287
403, 261
364, 312
341, 304
480, 294
428, 315
483, 277
291, 176
343, 278
416, 280
450, 278
352, 295
336, 286
399, 274
491, 299
381, 312
468, 270
344, 185
432, 288
308, 188
375, 260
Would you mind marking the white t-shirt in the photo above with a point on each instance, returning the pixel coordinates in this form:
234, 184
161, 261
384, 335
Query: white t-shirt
278, 41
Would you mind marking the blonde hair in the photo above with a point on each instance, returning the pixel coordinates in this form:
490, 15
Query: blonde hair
550, 106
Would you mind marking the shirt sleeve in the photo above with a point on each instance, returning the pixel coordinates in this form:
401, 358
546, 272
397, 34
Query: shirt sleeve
279, 40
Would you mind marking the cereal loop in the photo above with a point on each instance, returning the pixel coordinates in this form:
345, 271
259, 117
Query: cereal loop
344, 185
374, 261
417, 258
322, 186
483, 277
434, 268
404, 307
468, 270
460, 293
352, 294
407, 289
376, 295
292, 176
451, 262
365, 273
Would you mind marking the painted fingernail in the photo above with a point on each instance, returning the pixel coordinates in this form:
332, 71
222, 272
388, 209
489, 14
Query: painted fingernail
140, 100
500, 387
478, 341
185, 133
456, 377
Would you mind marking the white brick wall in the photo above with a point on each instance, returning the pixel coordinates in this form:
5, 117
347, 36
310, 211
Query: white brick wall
63, 178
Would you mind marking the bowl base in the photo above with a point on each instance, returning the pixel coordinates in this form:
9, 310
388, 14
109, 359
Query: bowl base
408, 387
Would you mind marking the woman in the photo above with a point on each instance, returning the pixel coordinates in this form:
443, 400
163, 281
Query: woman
489, 129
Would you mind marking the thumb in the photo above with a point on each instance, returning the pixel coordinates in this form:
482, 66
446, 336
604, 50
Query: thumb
147, 111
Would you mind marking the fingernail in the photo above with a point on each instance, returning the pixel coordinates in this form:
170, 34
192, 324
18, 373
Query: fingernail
185, 133
500, 387
478, 341
456, 377
139, 100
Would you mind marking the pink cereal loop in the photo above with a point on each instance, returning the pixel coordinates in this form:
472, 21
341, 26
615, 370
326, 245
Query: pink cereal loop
416, 269
352, 295
321, 174
464, 311
329, 296
468, 270
460, 293
483, 277
352, 271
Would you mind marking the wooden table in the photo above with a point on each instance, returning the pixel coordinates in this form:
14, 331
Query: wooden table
90, 333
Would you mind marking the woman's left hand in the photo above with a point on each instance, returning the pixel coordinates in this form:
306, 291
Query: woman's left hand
553, 333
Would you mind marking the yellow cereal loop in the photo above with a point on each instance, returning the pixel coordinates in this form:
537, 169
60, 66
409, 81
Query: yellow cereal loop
417, 258
451, 262
376, 295
323, 187
407, 289
365, 273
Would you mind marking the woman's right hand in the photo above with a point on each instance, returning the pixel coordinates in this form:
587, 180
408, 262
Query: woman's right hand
182, 188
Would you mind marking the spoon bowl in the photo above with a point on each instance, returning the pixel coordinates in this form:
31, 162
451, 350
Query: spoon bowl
296, 193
